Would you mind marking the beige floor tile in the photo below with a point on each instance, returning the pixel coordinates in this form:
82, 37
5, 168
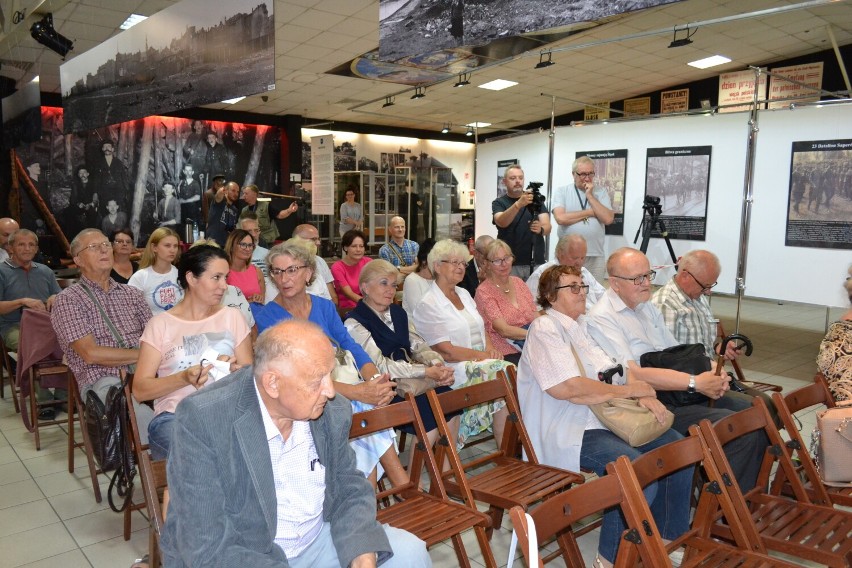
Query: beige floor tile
11, 423
100, 526
8, 455
77, 503
64, 482
36, 544
19, 492
47, 464
71, 559
21, 518
53, 440
13, 472
118, 553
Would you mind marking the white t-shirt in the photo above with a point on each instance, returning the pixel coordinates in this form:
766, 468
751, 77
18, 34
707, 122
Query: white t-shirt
593, 231
161, 291
234, 298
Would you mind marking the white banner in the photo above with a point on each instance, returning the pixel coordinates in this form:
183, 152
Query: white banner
322, 174
738, 87
809, 73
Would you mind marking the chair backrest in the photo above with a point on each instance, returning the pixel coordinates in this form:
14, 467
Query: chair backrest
153, 474
738, 424
787, 405
556, 516
392, 416
135, 438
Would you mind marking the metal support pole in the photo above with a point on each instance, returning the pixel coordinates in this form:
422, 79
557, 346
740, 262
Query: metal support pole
748, 198
551, 136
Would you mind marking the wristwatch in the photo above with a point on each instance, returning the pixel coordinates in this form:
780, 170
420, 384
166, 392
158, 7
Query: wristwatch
691, 388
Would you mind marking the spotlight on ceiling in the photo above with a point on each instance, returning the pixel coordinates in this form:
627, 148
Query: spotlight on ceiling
464, 80
44, 33
446, 128
469, 131
388, 102
542, 62
418, 93
682, 41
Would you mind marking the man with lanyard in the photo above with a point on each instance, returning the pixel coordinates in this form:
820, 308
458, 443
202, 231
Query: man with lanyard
98, 323
400, 251
266, 214
516, 224
25, 284
583, 209
222, 218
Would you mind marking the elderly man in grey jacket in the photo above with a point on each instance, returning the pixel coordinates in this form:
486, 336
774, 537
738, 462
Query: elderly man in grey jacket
261, 472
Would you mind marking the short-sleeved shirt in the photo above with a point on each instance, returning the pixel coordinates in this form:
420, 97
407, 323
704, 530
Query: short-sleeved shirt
75, 315
161, 291
518, 234
690, 321
391, 252
16, 282
181, 344
493, 304
347, 275
569, 198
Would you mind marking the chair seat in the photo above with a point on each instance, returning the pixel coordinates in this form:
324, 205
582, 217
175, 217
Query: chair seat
705, 553
763, 387
431, 519
516, 482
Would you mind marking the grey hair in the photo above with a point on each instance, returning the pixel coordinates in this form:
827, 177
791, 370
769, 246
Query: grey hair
22, 233
581, 160
296, 249
376, 269
75, 243
444, 249
695, 258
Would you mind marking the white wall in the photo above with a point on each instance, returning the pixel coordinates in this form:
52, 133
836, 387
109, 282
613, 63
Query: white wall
818, 274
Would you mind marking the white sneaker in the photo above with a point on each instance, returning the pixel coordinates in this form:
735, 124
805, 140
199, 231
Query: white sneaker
676, 557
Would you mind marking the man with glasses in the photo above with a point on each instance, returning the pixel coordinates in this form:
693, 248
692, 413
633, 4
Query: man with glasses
516, 224
570, 251
583, 209
684, 305
627, 325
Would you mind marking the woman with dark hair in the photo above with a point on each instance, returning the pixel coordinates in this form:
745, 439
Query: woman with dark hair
157, 276
351, 213
347, 270
555, 389
122, 247
244, 275
418, 282
196, 342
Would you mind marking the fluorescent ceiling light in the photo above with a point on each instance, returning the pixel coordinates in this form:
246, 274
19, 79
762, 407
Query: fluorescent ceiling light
478, 124
131, 21
709, 62
498, 85
233, 101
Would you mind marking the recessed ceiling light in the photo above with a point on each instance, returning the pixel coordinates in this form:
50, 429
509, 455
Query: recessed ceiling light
233, 101
131, 21
479, 124
498, 85
709, 62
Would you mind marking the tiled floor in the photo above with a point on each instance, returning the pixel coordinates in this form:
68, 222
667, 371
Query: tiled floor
49, 517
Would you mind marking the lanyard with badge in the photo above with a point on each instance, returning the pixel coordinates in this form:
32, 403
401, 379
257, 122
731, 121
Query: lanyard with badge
583, 205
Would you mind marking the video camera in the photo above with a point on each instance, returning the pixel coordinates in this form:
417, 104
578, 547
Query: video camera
652, 205
537, 197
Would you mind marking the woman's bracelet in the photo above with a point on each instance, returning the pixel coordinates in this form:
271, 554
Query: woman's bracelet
374, 377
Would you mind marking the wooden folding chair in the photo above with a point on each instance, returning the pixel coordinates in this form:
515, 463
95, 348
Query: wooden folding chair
503, 481
812, 395
715, 499
764, 387
555, 517
430, 516
7, 369
792, 526
75, 408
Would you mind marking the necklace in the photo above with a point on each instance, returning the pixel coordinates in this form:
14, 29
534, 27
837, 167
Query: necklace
506, 290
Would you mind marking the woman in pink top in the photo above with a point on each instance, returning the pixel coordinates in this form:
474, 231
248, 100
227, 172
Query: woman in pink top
347, 270
244, 275
504, 302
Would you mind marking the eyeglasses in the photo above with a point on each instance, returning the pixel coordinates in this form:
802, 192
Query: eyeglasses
246, 246
104, 246
585, 174
456, 263
289, 271
639, 280
501, 261
575, 288
703, 286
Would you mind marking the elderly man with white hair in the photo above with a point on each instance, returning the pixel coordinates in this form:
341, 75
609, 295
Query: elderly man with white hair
570, 251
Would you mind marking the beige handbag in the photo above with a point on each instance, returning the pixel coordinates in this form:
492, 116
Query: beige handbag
625, 418
832, 445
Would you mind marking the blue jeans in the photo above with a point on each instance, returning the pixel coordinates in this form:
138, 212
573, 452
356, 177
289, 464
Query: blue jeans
160, 435
668, 497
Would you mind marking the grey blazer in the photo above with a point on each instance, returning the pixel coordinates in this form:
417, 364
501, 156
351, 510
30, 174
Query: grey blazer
222, 509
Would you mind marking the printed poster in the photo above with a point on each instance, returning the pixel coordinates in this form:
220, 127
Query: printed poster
322, 174
810, 74
738, 87
611, 173
674, 101
680, 178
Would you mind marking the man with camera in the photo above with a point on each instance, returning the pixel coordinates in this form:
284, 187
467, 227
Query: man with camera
522, 221
583, 209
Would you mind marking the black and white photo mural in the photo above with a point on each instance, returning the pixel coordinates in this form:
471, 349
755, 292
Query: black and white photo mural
193, 53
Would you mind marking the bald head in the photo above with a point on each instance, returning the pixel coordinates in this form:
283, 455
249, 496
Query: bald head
630, 276
7, 227
698, 271
571, 251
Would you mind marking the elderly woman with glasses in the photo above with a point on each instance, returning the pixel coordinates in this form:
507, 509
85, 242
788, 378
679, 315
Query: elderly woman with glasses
555, 391
244, 275
292, 267
447, 319
505, 302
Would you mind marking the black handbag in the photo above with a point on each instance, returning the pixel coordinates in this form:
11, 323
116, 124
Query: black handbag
687, 358
103, 424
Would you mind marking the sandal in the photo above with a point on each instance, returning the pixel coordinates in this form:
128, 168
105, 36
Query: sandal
140, 562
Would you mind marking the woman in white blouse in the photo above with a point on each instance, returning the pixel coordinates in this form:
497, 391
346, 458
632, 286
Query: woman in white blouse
418, 282
447, 319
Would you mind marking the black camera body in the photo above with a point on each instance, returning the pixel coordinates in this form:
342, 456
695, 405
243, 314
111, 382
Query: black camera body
652, 205
537, 197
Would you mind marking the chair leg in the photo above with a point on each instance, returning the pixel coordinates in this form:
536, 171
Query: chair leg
93, 468
127, 512
71, 406
461, 553
34, 409
485, 547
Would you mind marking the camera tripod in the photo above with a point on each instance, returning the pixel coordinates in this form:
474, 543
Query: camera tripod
650, 221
